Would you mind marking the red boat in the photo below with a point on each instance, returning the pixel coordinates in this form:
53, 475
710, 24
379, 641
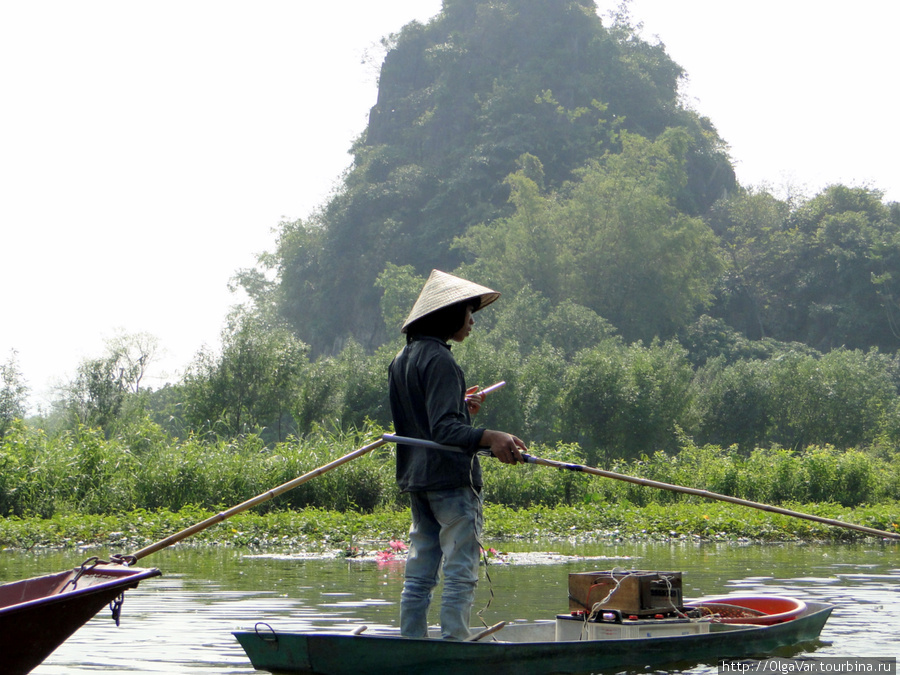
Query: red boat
761, 610
37, 615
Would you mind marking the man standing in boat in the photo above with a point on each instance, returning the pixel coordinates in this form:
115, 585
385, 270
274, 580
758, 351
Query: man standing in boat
429, 401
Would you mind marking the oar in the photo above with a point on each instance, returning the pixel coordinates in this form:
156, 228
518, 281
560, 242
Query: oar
662, 486
259, 499
490, 630
708, 495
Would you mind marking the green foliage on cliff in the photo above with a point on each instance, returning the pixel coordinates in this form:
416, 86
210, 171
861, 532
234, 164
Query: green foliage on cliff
532, 145
824, 273
460, 101
613, 240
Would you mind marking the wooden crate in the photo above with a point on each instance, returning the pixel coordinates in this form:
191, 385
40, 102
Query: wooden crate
631, 592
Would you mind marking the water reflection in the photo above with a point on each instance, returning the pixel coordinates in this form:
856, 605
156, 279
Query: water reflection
181, 623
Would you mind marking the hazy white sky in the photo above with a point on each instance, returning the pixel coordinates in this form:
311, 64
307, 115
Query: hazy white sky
147, 150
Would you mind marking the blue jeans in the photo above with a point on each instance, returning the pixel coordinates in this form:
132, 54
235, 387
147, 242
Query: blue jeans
446, 525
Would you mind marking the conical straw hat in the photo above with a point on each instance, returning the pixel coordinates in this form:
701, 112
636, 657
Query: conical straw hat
442, 290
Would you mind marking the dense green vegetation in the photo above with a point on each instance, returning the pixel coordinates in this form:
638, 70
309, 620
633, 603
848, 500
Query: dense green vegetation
464, 102
80, 487
540, 148
584, 385
657, 317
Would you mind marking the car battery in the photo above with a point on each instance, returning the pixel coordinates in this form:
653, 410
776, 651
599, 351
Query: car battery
571, 628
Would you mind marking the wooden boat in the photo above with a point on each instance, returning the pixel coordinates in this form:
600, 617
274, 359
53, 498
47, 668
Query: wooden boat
39, 614
528, 648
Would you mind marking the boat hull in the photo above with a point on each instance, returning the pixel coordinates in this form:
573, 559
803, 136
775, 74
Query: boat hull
37, 615
345, 654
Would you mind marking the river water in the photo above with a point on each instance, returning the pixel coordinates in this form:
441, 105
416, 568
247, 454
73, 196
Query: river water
181, 623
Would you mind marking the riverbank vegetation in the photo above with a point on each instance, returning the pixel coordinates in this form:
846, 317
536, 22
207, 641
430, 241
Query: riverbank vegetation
352, 533
83, 472
80, 489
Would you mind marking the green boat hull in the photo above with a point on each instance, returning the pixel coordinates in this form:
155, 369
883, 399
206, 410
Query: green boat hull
347, 654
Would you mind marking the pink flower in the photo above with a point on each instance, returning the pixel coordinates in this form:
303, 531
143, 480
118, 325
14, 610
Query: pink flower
383, 556
398, 546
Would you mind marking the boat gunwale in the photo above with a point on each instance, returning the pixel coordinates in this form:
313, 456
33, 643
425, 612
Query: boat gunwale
124, 577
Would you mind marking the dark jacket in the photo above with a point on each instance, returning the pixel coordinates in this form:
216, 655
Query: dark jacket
427, 395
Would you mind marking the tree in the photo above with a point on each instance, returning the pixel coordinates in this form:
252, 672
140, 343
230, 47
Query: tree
849, 254
822, 272
345, 390
753, 232
107, 389
613, 241
797, 398
400, 287
13, 393
132, 353
251, 383
94, 398
625, 401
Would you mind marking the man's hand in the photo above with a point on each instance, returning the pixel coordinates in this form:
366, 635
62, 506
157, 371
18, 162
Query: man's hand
474, 400
505, 447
